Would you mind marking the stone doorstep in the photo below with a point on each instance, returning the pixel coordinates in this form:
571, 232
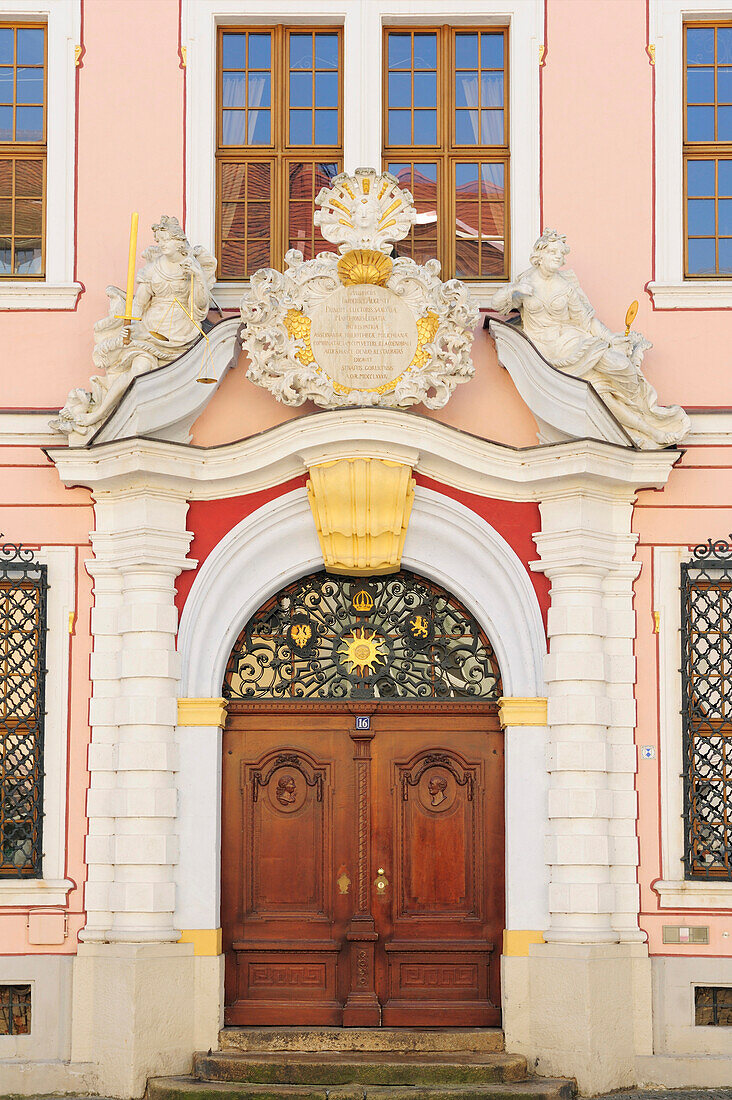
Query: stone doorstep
320, 1040
188, 1088
360, 1067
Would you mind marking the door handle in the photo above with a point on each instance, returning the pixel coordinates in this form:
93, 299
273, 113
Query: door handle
381, 882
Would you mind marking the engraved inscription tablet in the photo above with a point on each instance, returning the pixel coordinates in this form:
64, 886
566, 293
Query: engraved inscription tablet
363, 336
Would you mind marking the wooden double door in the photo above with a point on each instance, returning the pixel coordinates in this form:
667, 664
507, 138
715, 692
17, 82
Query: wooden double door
363, 870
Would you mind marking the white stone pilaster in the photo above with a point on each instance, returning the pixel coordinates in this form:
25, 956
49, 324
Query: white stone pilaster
140, 544
586, 548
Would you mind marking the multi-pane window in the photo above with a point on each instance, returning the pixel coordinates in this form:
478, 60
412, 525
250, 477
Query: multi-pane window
708, 149
23, 588
279, 140
22, 150
706, 643
446, 139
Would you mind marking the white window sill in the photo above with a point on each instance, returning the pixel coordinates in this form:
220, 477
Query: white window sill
29, 294
693, 294
35, 892
694, 895
229, 295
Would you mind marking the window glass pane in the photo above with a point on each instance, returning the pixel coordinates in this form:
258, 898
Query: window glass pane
326, 89
6, 85
326, 127
258, 89
724, 124
491, 51
700, 123
700, 86
5, 256
326, 51
425, 127
400, 51
493, 177
234, 127
724, 176
30, 46
491, 123
7, 46
400, 90
466, 179
258, 128
700, 177
400, 128
466, 89
301, 51
234, 51
260, 51
725, 266
301, 90
301, 127
491, 89
234, 90
467, 127
29, 123
425, 89
6, 217
724, 215
700, 45
700, 214
701, 257
724, 85
6, 178
6, 123
724, 45
425, 51
28, 217
466, 51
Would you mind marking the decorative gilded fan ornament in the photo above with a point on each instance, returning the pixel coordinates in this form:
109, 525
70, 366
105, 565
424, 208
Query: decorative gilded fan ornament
359, 327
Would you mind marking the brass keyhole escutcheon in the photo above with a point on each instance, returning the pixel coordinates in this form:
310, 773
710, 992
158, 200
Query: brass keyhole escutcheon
381, 881
344, 882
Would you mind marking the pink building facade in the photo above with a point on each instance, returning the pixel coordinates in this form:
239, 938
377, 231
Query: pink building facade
152, 538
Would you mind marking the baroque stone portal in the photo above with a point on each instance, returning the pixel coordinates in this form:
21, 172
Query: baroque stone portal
359, 328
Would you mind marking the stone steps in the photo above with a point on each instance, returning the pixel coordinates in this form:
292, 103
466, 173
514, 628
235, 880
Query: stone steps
395, 1040
189, 1088
359, 1064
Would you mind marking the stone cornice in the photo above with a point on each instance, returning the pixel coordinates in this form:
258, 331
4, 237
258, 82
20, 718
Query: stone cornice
433, 449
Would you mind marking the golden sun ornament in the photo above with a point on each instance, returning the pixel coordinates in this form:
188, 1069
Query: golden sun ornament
362, 651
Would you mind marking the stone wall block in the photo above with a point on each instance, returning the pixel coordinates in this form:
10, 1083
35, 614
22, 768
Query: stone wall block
141, 618
161, 662
152, 710
571, 803
156, 849
582, 621
577, 756
104, 665
149, 756
578, 709
147, 802
572, 666
142, 897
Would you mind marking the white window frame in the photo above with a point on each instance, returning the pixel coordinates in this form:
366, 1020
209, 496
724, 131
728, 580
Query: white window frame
362, 58
674, 891
669, 289
52, 889
57, 290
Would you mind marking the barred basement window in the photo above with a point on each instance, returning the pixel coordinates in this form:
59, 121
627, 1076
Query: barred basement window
23, 593
15, 1009
713, 1006
389, 638
706, 647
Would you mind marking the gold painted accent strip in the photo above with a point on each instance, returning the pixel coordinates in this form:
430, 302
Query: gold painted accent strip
516, 941
206, 941
201, 712
522, 712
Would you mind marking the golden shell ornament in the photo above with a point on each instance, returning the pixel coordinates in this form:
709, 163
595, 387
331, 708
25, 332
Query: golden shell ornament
364, 265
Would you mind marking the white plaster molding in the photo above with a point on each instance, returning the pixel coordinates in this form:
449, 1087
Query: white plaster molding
363, 21
165, 402
57, 290
710, 428
53, 887
669, 289
433, 449
673, 890
27, 428
445, 542
563, 406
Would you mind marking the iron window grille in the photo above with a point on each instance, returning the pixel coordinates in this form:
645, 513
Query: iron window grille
23, 614
706, 672
398, 637
15, 1009
713, 1006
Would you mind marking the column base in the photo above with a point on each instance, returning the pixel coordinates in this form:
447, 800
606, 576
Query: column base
140, 1010
580, 1010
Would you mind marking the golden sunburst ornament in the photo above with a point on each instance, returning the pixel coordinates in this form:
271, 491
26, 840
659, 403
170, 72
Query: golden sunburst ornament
362, 651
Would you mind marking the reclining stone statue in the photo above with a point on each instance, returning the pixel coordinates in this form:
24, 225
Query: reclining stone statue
557, 317
172, 297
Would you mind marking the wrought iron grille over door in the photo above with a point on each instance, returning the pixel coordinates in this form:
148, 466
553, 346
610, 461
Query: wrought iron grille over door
23, 588
390, 638
706, 647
